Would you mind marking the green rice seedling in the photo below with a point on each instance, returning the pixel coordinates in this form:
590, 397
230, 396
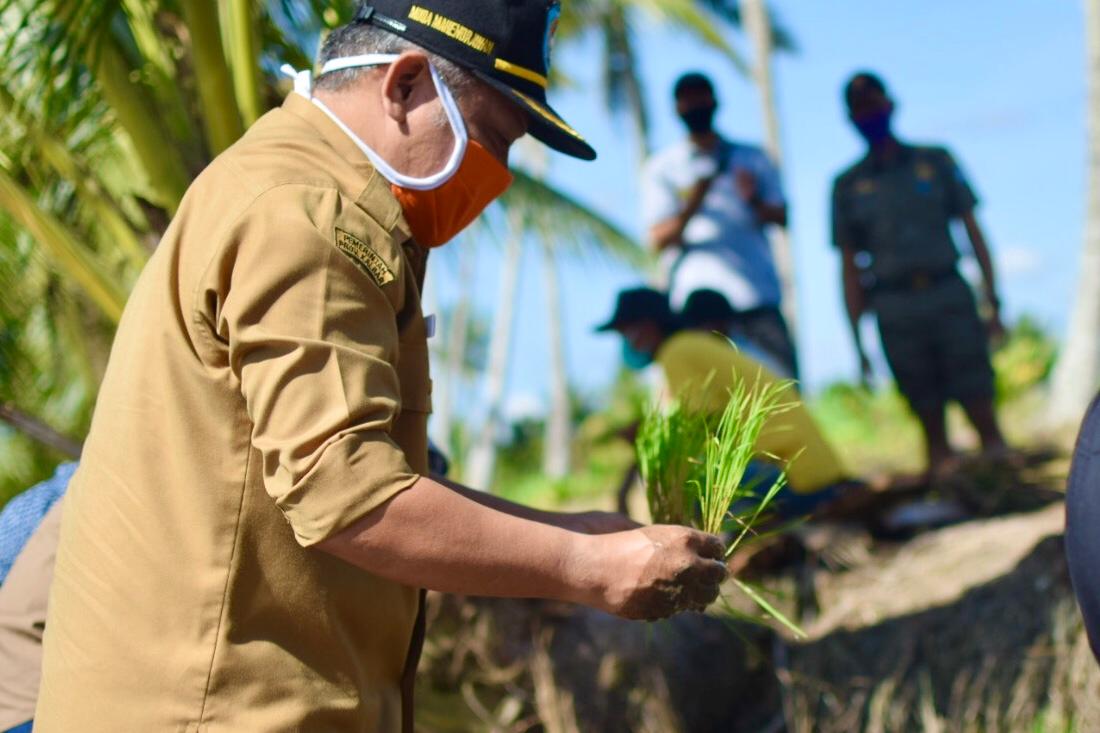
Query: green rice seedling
669, 447
693, 467
730, 447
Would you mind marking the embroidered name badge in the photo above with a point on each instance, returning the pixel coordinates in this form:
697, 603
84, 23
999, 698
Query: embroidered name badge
365, 258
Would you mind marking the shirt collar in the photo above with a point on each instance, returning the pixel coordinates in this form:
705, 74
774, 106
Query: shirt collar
904, 156
376, 196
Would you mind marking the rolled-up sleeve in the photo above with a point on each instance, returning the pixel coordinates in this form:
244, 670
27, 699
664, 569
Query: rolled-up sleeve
960, 199
768, 181
313, 340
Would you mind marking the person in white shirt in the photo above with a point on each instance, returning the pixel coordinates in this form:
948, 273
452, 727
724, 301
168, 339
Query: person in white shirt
706, 201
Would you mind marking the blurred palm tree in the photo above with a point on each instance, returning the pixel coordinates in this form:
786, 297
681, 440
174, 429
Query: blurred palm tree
539, 214
614, 23
760, 28
1077, 373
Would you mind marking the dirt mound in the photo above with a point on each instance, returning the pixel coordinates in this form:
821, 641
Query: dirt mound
967, 628
497, 665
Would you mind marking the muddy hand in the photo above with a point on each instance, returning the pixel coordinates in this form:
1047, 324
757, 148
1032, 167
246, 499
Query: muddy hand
661, 570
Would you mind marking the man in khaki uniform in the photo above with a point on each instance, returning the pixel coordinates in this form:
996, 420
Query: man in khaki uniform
243, 542
892, 213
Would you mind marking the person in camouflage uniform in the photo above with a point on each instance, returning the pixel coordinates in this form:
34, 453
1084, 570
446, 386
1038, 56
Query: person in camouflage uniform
892, 213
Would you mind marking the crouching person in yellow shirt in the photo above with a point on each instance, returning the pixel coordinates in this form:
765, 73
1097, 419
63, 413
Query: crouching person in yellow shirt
700, 367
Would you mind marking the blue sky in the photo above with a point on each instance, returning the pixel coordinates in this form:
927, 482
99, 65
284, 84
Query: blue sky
1001, 84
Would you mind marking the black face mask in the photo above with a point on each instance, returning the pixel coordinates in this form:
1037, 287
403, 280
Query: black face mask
700, 120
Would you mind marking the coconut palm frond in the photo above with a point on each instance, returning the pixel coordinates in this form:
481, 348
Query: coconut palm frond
73, 259
561, 221
687, 15
46, 343
730, 12
622, 75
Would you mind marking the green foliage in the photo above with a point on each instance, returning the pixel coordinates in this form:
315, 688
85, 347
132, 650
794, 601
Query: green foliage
50, 349
873, 431
670, 447
730, 447
688, 459
1024, 360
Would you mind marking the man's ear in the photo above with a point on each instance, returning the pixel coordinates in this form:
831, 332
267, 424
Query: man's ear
403, 84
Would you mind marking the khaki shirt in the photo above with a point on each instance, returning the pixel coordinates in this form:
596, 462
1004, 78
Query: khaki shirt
267, 388
900, 212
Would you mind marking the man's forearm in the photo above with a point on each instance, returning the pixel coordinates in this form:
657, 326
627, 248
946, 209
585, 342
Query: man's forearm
771, 213
853, 324
670, 232
667, 233
435, 537
981, 253
499, 504
854, 298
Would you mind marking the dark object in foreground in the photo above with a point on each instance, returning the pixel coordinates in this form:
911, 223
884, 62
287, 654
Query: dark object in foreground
1083, 523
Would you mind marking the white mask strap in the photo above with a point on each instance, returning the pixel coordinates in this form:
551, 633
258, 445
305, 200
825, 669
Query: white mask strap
303, 80
303, 84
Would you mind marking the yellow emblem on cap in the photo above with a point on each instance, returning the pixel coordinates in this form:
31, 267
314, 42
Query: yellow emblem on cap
365, 258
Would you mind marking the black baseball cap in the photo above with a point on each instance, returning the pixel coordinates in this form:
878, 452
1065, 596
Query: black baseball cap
704, 306
640, 304
505, 43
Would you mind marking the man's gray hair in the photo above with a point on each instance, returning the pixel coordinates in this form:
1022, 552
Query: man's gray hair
359, 38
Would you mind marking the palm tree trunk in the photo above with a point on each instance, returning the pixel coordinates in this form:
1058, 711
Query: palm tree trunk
167, 175
559, 428
160, 68
242, 46
458, 334
482, 459
757, 24
1078, 370
220, 114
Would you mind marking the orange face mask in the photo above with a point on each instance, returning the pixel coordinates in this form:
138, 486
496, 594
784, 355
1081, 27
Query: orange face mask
435, 216
440, 205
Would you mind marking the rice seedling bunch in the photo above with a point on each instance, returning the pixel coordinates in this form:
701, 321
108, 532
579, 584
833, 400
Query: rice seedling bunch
694, 467
730, 447
669, 447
